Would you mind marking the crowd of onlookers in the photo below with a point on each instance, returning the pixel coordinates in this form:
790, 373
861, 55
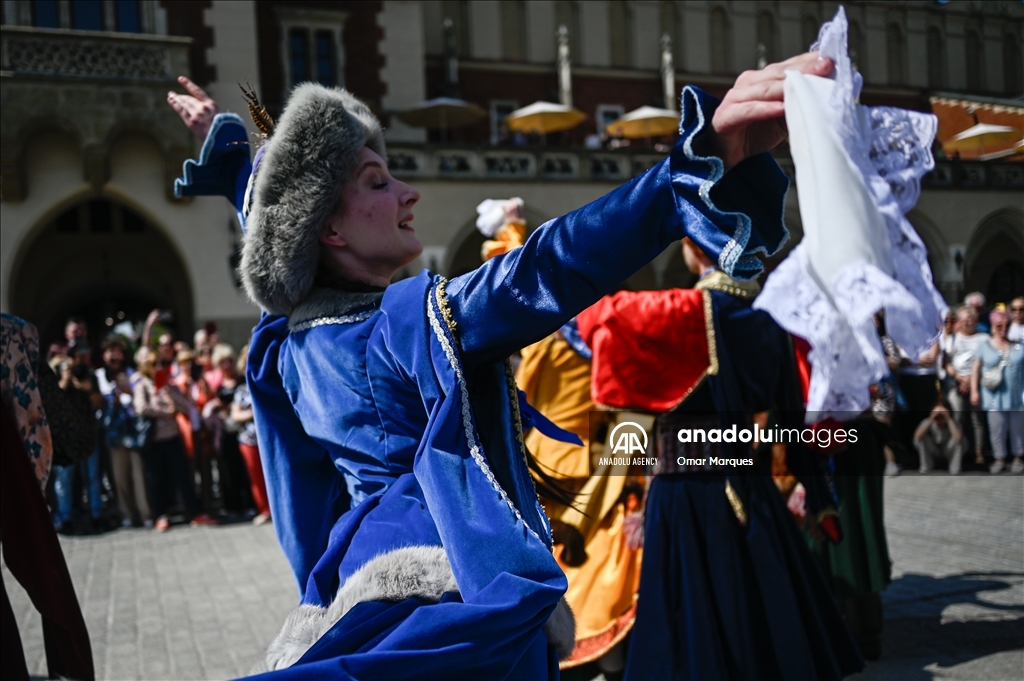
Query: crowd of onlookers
977, 366
172, 427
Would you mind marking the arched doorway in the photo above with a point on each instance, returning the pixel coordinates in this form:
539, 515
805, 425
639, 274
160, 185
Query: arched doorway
464, 249
995, 258
103, 261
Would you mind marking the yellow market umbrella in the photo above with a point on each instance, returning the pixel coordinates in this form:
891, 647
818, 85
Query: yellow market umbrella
977, 137
647, 121
540, 118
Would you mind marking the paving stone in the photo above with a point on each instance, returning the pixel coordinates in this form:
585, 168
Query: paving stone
202, 603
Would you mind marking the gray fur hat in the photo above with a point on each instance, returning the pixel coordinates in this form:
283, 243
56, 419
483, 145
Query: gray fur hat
310, 155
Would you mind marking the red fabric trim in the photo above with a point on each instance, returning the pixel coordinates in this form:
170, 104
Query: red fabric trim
650, 347
803, 365
597, 646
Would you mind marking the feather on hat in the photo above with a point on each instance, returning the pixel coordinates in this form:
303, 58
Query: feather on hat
307, 159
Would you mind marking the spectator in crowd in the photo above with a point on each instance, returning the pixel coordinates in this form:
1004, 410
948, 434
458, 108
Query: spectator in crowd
997, 384
959, 368
199, 439
938, 435
218, 416
121, 435
919, 384
157, 399
1015, 333
212, 375
75, 331
241, 413
76, 380
188, 423
976, 301
32, 553
885, 395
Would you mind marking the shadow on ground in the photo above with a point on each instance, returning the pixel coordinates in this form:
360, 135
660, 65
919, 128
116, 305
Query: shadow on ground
923, 632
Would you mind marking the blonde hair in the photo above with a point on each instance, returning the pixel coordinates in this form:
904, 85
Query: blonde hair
145, 361
221, 352
243, 357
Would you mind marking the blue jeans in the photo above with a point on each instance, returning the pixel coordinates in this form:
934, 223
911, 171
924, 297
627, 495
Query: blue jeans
64, 486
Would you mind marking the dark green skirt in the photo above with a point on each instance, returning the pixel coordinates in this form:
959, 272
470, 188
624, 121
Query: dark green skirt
860, 563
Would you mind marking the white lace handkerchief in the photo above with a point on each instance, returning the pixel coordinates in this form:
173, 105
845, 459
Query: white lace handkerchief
858, 171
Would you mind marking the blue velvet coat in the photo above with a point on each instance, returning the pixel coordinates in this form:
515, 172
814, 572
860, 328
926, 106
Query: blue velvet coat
393, 421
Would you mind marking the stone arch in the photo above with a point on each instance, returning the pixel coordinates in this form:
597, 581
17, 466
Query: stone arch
172, 152
995, 256
14, 151
98, 256
463, 253
946, 273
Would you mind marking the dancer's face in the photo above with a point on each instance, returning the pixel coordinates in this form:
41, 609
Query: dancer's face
370, 236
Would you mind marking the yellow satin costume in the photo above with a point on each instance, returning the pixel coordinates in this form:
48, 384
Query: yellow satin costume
602, 591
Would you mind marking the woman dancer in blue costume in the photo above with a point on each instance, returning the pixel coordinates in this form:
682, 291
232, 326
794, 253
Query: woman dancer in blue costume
387, 415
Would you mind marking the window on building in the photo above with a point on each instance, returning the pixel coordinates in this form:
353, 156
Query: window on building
1013, 84
808, 32
766, 36
607, 113
621, 29
720, 44
513, 29
500, 109
44, 14
298, 53
936, 59
128, 16
311, 49
567, 13
87, 15
326, 61
855, 44
975, 61
894, 51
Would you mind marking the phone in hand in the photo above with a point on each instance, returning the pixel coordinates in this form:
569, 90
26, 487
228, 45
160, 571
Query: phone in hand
161, 377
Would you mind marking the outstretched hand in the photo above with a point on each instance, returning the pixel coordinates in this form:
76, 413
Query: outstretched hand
197, 109
750, 120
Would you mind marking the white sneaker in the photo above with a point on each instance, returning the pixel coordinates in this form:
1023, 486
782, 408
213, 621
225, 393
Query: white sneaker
1017, 466
892, 469
997, 467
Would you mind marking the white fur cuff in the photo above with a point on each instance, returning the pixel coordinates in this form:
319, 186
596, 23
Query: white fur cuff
420, 571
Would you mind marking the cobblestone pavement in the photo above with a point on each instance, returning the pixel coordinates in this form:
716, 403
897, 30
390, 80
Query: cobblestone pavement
201, 603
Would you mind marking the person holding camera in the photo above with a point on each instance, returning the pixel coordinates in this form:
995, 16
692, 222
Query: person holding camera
939, 435
76, 381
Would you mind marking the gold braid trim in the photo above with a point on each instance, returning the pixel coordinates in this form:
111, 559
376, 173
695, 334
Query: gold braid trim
709, 327
720, 281
736, 503
442, 303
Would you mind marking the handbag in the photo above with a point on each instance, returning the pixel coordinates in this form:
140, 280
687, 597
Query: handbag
992, 378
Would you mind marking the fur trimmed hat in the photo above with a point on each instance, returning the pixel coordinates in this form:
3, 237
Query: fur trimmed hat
297, 186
